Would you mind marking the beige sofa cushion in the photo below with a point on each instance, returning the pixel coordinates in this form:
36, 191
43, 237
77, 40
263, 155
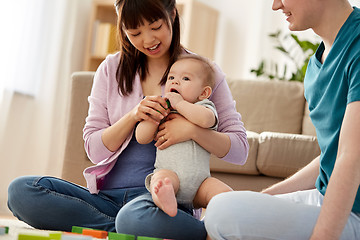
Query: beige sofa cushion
281, 154
276, 106
308, 127
217, 165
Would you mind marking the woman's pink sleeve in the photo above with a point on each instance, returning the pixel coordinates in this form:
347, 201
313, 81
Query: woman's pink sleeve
97, 120
230, 120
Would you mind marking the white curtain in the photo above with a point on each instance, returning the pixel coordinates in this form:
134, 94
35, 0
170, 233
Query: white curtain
43, 44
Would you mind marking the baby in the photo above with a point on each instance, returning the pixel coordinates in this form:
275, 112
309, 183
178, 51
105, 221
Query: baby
182, 171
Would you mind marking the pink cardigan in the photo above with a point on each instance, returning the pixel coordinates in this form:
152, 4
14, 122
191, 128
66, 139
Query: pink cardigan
107, 106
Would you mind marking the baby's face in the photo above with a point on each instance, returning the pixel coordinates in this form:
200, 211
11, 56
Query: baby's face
186, 77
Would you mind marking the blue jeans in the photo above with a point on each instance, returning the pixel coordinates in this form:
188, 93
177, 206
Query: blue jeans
55, 204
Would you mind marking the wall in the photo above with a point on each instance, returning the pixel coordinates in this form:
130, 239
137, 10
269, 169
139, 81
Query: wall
243, 29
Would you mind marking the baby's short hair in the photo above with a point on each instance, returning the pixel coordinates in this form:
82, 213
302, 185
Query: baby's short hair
208, 67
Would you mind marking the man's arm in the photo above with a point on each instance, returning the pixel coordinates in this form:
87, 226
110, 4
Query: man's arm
344, 181
304, 179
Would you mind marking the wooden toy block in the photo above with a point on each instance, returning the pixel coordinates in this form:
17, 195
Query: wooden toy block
77, 229
120, 236
55, 236
75, 236
36, 234
148, 238
32, 237
95, 233
4, 230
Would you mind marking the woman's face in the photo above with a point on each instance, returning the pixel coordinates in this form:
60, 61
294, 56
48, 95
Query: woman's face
299, 13
152, 38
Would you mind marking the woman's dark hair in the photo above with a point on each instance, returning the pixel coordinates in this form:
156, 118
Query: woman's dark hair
131, 14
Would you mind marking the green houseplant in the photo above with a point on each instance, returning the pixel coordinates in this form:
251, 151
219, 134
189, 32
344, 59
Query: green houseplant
306, 48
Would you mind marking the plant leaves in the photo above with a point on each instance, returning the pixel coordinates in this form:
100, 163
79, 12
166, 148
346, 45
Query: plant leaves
308, 49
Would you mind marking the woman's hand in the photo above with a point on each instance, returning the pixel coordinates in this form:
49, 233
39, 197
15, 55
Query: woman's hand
151, 108
174, 130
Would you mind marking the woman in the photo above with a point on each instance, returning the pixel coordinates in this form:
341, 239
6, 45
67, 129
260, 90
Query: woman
127, 89
311, 204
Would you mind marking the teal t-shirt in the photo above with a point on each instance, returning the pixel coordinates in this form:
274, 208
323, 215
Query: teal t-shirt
329, 87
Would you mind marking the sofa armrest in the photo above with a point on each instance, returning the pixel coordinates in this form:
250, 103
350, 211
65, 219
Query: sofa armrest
282, 154
75, 158
219, 166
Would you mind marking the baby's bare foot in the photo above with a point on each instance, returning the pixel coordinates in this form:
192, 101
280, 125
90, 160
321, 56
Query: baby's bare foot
157, 186
164, 197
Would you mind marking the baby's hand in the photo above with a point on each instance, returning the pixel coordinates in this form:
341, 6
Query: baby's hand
174, 98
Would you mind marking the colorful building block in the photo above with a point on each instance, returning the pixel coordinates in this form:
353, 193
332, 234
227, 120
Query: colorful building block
22, 236
95, 233
4, 230
147, 238
39, 235
120, 236
77, 229
55, 235
75, 236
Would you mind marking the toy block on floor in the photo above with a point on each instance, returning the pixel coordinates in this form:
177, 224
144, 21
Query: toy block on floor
22, 236
75, 236
4, 230
77, 229
95, 233
147, 238
55, 236
120, 236
31, 234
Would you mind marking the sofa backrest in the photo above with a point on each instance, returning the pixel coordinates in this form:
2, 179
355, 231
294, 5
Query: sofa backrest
274, 106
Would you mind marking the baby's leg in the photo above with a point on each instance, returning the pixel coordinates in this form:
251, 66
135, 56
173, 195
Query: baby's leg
163, 187
208, 189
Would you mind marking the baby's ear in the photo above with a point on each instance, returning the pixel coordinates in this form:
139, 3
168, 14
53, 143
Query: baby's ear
205, 93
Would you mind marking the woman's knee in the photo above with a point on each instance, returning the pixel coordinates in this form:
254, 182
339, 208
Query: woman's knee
18, 190
142, 217
19, 186
129, 216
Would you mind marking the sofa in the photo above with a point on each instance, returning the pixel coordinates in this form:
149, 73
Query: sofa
279, 131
